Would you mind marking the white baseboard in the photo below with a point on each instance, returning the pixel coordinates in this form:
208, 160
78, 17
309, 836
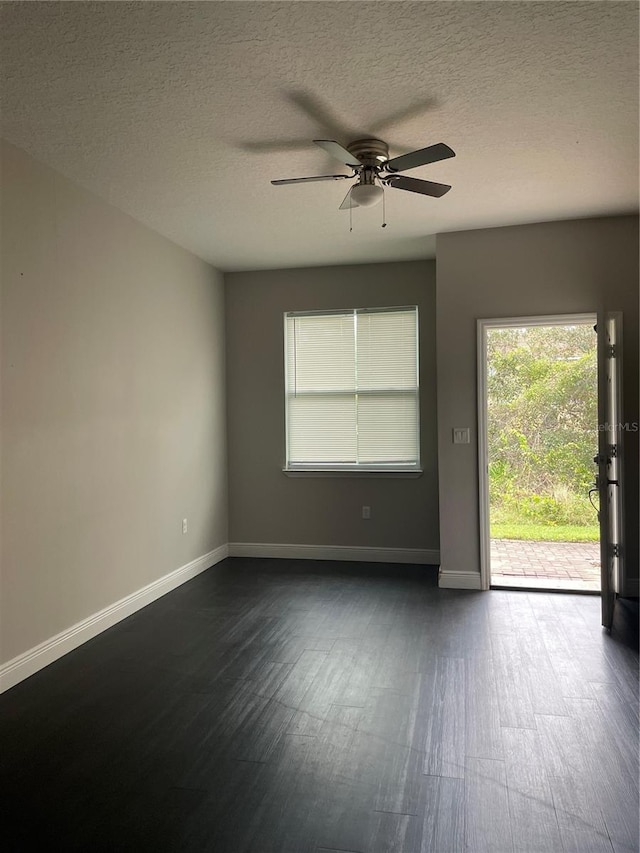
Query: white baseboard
420, 556
459, 580
28, 663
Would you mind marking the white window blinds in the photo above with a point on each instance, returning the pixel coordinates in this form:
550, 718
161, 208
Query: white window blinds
352, 389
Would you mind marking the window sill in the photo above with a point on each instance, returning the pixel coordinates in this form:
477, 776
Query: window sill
383, 473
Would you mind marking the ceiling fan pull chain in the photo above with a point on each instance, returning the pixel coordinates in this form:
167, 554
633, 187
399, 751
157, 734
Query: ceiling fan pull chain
350, 217
384, 215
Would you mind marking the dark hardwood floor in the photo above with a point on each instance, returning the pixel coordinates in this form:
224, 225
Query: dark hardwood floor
312, 707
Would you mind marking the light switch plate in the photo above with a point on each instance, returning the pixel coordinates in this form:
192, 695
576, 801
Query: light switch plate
461, 435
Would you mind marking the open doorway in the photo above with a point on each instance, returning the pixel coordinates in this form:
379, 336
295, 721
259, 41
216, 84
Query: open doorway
539, 429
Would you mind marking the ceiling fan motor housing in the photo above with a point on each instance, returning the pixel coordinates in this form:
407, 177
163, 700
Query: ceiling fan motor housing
370, 152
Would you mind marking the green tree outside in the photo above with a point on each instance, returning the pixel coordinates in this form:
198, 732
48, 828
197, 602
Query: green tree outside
542, 431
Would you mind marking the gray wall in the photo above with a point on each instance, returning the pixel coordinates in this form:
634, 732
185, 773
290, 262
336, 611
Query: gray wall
113, 405
550, 268
113, 394
265, 505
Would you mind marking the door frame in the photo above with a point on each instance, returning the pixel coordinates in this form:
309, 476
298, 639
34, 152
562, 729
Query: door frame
611, 432
483, 451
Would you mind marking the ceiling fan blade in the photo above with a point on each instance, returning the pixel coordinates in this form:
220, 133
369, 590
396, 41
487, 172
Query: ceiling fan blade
414, 185
348, 202
338, 151
313, 178
432, 154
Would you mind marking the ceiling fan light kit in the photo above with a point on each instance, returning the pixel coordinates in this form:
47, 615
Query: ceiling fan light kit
369, 159
366, 195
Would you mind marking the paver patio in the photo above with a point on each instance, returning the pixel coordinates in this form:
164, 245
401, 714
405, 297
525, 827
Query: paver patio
546, 565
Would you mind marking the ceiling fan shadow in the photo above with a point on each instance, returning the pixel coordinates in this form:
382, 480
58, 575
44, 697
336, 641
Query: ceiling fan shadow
322, 114
269, 146
412, 111
330, 124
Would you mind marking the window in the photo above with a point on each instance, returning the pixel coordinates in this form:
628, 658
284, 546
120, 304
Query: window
351, 385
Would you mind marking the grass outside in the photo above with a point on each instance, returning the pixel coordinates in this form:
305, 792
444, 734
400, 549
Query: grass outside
545, 532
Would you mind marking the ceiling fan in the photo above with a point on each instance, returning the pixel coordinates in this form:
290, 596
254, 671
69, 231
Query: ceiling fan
369, 159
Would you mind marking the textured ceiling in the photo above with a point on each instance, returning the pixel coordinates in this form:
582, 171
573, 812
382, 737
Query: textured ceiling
181, 113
